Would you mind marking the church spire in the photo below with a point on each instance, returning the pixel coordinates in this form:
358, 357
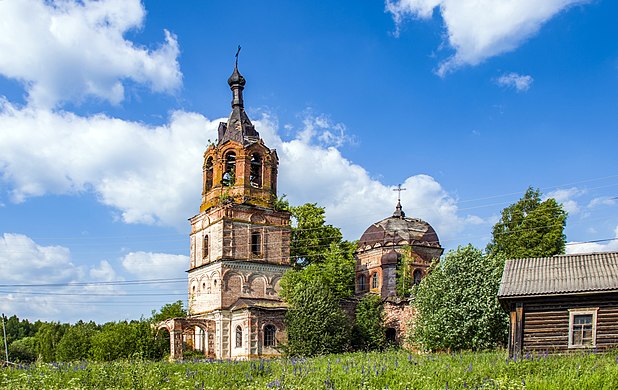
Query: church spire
398, 209
238, 127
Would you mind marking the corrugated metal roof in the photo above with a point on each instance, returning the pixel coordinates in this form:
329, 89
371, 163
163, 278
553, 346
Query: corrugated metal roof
562, 274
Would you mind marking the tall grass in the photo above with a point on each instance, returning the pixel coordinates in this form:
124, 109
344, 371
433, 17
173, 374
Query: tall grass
388, 370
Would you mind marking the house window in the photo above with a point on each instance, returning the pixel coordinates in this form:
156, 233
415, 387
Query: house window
238, 336
229, 176
208, 169
255, 175
417, 276
582, 328
362, 283
205, 247
269, 335
374, 280
256, 243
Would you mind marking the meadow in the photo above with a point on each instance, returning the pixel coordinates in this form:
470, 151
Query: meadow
386, 370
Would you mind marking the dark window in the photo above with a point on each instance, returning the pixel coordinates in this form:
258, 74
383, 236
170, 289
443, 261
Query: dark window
238, 336
229, 176
269, 335
582, 330
205, 247
374, 280
391, 335
209, 173
255, 175
417, 276
362, 283
256, 243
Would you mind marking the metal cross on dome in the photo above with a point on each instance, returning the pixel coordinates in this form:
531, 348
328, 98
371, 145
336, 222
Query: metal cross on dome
399, 189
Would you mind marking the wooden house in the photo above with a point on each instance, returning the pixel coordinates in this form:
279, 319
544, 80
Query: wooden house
561, 303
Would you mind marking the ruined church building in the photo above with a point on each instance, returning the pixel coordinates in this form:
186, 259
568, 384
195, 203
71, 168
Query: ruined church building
240, 249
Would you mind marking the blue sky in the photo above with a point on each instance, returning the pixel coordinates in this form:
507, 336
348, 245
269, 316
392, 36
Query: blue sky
106, 108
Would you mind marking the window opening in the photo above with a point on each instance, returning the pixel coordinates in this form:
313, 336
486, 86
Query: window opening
269, 335
256, 243
362, 283
205, 247
391, 335
417, 276
255, 175
581, 331
209, 173
238, 336
229, 176
374, 280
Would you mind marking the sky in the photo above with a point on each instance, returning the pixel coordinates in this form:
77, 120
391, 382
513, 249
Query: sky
106, 108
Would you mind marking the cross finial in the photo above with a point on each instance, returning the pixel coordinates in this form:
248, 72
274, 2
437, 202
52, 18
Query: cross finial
237, 51
399, 189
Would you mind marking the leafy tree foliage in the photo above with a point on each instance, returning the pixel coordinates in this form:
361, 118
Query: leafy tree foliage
76, 342
47, 338
311, 237
123, 340
316, 324
23, 350
456, 303
169, 310
369, 332
530, 228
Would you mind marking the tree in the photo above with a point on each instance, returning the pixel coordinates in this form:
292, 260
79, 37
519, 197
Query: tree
47, 338
23, 350
76, 342
311, 237
316, 324
169, 310
530, 228
368, 333
456, 303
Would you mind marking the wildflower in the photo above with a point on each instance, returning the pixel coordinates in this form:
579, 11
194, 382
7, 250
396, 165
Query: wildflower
274, 384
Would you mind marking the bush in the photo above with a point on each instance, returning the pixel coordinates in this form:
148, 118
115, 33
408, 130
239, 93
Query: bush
369, 332
23, 350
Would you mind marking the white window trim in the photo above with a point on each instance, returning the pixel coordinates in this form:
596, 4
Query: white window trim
586, 311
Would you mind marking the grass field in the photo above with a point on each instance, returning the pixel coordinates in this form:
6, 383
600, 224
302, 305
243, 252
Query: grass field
388, 370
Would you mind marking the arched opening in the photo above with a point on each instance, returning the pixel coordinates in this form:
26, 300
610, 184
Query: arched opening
229, 175
391, 335
238, 336
255, 173
362, 283
162, 342
417, 276
374, 280
208, 173
205, 247
269, 335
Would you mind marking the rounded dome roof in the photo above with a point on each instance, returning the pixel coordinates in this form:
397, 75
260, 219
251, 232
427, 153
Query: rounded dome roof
400, 230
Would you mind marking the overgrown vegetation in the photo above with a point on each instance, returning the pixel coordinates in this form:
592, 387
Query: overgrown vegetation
392, 370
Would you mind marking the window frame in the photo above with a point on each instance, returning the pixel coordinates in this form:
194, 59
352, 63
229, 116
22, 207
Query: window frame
362, 286
256, 248
205, 246
375, 281
269, 339
583, 312
238, 343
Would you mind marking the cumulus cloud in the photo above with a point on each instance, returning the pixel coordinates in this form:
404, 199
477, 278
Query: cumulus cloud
588, 247
148, 265
480, 29
69, 50
520, 83
567, 196
602, 201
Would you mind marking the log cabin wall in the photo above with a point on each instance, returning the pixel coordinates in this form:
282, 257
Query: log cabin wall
543, 323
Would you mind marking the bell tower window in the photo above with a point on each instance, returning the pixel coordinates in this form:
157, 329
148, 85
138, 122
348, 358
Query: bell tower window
229, 176
208, 173
205, 247
255, 176
256, 243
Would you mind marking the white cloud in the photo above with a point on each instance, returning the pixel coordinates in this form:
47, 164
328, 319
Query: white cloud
567, 196
602, 201
480, 29
69, 50
148, 265
588, 247
519, 82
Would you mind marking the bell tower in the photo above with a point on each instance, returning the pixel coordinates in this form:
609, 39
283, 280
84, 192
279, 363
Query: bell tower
240, 244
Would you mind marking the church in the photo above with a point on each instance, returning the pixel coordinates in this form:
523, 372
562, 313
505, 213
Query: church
240, 249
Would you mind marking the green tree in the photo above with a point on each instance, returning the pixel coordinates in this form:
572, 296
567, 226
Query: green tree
169, 310
311, 236
316, 324
23, 350
47, 338
369, 332
530, 228
76, 342
456, 303
124, 340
